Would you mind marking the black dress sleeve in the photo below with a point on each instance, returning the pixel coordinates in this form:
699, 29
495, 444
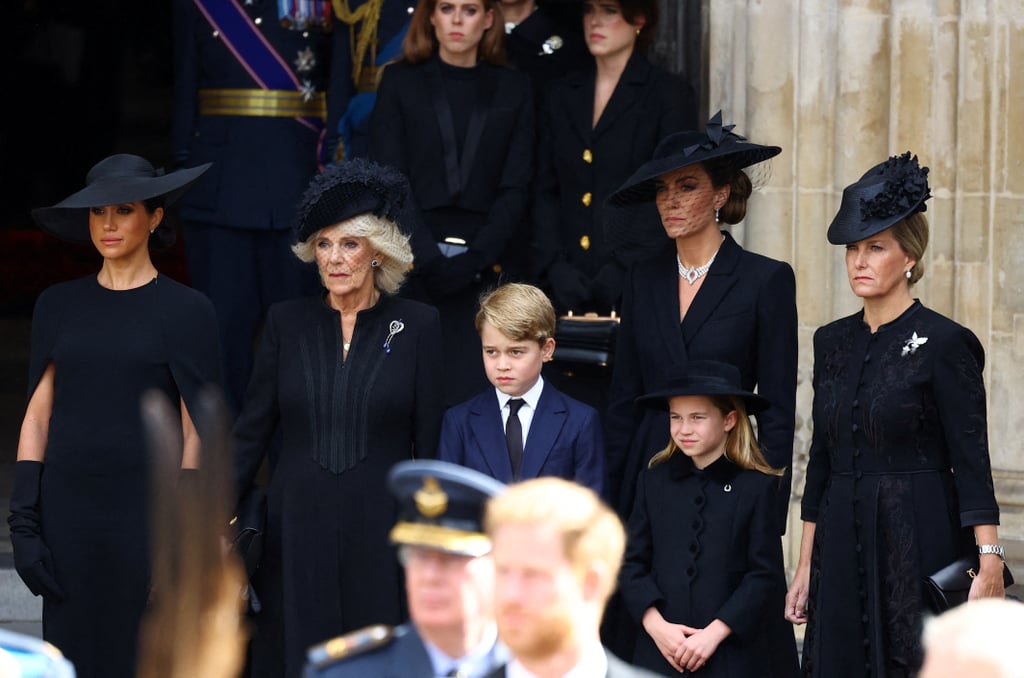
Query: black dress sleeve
639, 590
193, 349
959, 390
428, 384
45, 327
260, 413
819, 462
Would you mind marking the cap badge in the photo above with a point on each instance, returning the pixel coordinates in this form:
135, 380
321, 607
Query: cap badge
431, 500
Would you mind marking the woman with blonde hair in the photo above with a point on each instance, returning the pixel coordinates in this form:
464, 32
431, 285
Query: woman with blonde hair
351, 379
703, 569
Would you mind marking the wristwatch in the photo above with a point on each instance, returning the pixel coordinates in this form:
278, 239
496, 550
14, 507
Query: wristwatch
992, 548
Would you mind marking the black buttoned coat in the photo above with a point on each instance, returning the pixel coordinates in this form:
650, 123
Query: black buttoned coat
580, 164
743, 314
704, 545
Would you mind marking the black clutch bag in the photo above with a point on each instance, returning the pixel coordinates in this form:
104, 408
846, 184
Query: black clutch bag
949, 586
587, 339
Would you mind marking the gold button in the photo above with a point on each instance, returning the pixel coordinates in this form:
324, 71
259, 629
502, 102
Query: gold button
586, 199
588, 157
585, 241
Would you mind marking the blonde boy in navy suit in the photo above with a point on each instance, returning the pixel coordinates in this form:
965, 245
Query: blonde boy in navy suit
523, 427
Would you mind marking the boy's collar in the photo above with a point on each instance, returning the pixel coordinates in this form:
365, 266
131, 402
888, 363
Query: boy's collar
532, 396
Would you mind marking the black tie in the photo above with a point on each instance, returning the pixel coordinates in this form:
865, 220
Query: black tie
514, 435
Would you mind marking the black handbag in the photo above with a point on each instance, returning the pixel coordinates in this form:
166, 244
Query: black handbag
587, 339
949, 586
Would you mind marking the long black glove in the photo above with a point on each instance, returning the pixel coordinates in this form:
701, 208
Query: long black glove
32, 558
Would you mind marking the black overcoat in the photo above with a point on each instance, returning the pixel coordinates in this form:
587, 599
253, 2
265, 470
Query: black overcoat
898, 474
580, 164
743, 314
704, 545
328, 566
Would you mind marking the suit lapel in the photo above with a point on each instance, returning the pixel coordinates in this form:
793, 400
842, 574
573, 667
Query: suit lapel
547, 423
580, 100
720, 279
629, 90
489, 435
666, 306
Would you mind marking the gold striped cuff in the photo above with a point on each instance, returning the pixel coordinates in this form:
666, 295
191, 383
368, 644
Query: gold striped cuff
272, 103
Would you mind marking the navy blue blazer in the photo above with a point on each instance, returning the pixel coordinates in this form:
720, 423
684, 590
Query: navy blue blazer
565, 439
744, 314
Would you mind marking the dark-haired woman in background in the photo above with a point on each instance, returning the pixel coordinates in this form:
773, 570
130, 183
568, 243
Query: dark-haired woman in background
596, 127
459, 125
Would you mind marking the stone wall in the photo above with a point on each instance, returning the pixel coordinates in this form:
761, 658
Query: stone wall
843, 84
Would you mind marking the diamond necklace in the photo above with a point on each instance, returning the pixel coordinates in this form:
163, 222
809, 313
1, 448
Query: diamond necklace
692, 274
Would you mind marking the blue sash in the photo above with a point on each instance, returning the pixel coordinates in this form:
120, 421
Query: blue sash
252, 50
352, 124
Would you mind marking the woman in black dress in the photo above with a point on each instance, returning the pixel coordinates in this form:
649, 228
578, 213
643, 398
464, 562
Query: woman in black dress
899, 481
79, 509
460, 127
352, 379
596, 127
707, 299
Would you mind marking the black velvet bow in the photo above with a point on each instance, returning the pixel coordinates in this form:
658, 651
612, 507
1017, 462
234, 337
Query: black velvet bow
717, 133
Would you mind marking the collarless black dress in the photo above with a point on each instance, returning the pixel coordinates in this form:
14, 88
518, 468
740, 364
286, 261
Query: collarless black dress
108, 348
898, 474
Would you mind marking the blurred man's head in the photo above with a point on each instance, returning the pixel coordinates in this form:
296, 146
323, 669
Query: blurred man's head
449, 574
980, 639
557, 550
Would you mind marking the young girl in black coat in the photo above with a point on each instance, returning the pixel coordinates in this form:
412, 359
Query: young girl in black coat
703, 570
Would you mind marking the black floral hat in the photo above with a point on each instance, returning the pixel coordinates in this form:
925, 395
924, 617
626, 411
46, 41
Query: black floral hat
702, 378
689, 148
115, 180
348, 189
887, 193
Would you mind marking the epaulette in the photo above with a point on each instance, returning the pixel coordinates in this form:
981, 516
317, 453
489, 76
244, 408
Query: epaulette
350, 645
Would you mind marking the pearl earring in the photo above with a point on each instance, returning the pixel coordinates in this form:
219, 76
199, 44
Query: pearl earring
909, 274
374, 263
716, 215
638, 32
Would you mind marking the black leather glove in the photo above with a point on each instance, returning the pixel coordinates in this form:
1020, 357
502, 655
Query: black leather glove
569, 286
32, 558
449, 275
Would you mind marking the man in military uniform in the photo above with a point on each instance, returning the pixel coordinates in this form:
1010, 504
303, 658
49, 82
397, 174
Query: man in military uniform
248, 97
449, 584
557, 552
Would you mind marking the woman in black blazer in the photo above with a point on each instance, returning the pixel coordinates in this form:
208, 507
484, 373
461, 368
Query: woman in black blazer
460, 126
706, 299
596, 127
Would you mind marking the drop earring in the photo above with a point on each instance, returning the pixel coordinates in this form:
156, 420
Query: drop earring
638, 32
716, 215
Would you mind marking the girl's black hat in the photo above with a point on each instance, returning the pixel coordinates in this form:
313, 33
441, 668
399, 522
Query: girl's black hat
703, 378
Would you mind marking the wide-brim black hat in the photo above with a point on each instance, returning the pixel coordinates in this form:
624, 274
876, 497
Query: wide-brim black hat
118, 179
689, 148
441, 506
703, 378
887, 193
348, 189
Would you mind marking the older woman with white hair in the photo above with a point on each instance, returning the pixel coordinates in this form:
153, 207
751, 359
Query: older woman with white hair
352, 380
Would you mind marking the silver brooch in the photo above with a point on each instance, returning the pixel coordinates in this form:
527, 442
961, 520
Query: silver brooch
394, 328
911, 345
551, 44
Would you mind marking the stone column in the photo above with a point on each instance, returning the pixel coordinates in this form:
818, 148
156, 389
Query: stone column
843, 84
